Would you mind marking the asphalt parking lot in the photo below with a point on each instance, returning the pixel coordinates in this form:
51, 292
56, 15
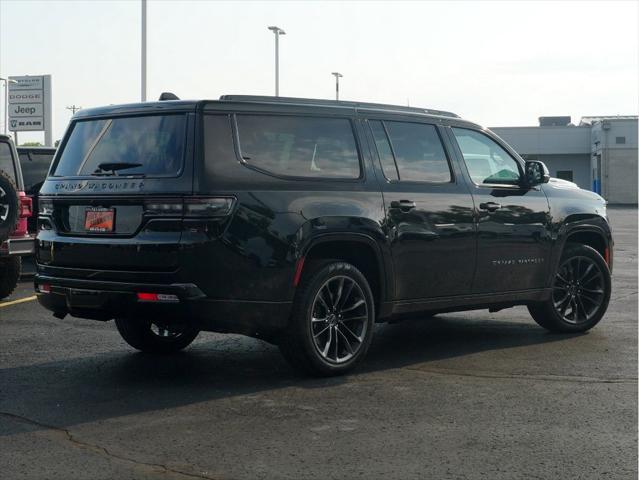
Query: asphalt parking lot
468, 395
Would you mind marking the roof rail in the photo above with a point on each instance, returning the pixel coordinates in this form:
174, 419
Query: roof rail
334, 103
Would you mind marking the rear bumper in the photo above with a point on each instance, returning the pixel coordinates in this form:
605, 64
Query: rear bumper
105, 300
18, 246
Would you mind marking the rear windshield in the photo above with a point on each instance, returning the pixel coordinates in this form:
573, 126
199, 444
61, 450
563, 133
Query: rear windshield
149, 145
35, 166
6, 160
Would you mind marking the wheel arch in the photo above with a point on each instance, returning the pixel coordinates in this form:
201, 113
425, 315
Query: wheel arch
360, 250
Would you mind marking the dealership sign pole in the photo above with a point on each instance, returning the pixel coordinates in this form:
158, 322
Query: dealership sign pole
30, 105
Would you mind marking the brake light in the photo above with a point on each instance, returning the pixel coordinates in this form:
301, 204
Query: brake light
26, 206
44, 288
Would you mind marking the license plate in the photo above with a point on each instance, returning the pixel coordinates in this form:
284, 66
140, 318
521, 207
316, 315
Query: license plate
99, 220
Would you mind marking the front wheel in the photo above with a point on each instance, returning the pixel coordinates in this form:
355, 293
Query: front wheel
580, 293
332, 321
155, 336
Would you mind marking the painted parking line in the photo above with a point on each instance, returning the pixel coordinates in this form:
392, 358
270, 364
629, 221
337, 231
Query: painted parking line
19, 300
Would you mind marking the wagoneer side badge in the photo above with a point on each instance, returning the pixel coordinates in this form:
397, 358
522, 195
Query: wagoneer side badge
100, 186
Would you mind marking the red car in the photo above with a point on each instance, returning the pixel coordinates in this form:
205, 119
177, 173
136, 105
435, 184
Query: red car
15, 209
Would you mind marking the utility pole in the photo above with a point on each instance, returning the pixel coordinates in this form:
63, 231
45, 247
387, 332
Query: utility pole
277, 31
73, 108
143, 54
337, 77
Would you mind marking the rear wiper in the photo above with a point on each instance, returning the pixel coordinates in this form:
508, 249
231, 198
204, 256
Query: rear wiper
113, 167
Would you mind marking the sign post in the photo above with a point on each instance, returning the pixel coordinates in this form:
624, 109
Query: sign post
30, 105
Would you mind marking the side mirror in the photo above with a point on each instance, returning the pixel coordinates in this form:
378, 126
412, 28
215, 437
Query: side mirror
536, 173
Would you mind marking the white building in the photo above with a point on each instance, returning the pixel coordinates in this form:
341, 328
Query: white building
599, 154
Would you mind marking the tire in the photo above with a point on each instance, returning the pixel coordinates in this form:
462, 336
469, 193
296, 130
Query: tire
155, 337
9, 206
10, 270
333, 299
581, 292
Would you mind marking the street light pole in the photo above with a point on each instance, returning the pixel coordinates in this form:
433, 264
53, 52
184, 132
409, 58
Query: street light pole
143, 59
277, 31
337, 77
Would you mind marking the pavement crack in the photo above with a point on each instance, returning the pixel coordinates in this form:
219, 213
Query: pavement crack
149, 468
524, 376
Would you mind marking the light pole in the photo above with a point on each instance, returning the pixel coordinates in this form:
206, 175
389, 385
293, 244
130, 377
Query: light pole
277, 31
6, 101
143, 54
337, 77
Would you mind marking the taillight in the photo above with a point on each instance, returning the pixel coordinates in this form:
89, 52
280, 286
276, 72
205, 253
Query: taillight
45, 207
198, 207
208, 207
163, 207
26, 206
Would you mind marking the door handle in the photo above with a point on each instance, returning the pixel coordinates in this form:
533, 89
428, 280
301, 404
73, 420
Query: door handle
490, 206
404, 205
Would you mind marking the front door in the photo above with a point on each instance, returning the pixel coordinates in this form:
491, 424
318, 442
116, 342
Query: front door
429, 211
513, 221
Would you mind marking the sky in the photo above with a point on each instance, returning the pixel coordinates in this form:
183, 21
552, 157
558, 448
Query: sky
496, 63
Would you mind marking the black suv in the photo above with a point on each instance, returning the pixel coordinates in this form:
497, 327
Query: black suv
304, 222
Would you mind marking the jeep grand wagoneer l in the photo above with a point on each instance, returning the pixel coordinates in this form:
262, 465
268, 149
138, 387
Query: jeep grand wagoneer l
304, 222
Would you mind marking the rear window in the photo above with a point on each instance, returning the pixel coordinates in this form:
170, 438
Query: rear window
6, 160
35, 166
149, 145
299, 146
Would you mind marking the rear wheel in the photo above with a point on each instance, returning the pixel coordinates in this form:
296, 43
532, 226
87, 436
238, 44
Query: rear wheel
580, 295
155, 336
10, 269
331, 325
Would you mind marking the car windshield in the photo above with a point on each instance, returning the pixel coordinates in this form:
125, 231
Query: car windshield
35, 166
145, 145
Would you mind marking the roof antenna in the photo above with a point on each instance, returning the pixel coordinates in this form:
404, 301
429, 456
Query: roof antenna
168, 96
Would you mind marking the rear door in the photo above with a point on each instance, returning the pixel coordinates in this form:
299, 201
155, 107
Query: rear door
513, 220
429, 211
114, 194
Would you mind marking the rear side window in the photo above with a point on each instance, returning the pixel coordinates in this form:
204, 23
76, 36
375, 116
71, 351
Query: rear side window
419, 152
6, 160
147, 145
299, 146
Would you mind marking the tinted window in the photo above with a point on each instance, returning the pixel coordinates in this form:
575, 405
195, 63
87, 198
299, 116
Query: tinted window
155, 142
6, 160
299, 146
487, 162
418, 152
35, 166
384, 150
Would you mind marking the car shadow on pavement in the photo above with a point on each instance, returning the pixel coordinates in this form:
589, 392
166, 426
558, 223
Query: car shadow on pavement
118, 383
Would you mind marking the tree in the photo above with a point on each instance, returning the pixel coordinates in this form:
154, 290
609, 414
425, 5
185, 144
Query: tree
31, 144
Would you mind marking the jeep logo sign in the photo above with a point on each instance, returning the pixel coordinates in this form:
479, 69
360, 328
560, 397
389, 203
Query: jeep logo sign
29, 100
